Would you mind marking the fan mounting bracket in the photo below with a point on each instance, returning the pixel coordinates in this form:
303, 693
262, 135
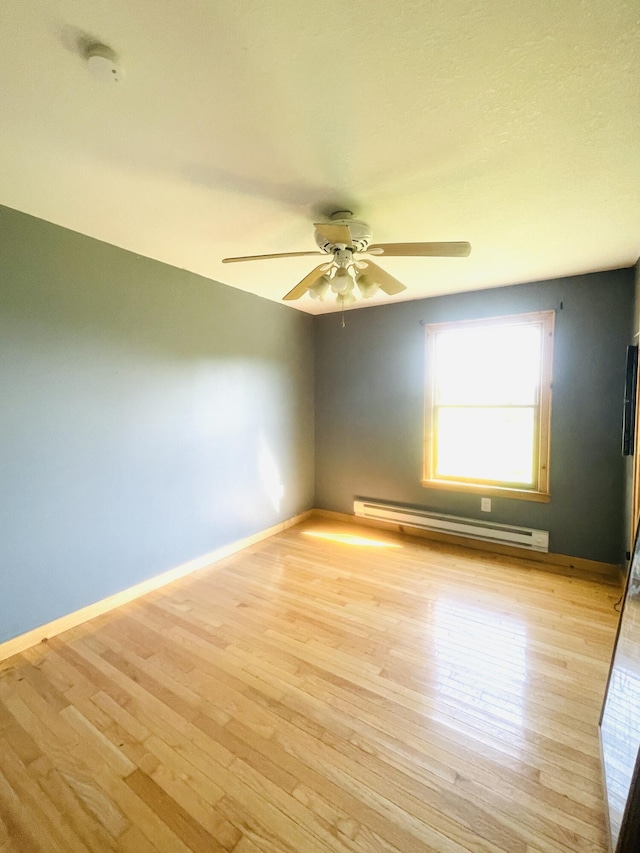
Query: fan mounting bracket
358, 231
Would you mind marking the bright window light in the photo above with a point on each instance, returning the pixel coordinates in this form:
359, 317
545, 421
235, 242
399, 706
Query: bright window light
494, 445
488, 403
351, 539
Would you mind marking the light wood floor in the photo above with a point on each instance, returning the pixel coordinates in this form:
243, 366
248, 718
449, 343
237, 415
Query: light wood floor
367, 693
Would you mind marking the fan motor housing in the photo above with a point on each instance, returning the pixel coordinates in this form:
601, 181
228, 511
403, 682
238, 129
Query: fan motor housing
359, 230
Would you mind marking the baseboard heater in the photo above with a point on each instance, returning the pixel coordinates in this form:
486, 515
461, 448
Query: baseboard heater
503, 534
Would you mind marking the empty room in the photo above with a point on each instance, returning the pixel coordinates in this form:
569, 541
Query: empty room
319, 479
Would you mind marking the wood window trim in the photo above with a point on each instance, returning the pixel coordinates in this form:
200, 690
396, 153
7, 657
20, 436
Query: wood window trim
540, 491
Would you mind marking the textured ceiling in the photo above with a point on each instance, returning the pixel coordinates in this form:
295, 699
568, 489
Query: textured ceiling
515, 126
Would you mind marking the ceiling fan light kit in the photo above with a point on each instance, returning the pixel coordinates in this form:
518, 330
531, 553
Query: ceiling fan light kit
320, 289
367, 286
342, 281
342, 238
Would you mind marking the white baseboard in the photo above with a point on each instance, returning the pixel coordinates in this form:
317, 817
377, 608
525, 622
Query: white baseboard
71, 620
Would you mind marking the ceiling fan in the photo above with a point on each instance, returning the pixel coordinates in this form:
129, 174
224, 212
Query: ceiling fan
344, 238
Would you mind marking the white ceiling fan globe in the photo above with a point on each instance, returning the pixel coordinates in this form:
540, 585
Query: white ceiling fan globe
342, 282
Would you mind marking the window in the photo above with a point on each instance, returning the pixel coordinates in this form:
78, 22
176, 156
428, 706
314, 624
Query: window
488, 405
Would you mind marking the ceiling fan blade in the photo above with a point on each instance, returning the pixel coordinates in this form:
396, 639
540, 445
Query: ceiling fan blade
301, 288
423, 250
334, 233
387, 282
266, 257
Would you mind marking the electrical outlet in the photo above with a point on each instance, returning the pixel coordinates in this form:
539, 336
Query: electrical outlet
485, 504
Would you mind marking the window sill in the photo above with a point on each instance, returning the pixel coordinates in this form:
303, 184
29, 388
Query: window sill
489, 491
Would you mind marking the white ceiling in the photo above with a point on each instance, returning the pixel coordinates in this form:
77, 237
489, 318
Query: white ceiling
515, 126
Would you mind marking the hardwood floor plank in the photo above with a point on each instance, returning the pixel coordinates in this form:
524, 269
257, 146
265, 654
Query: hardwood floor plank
83, 803
193, 834
332, 689
28, 813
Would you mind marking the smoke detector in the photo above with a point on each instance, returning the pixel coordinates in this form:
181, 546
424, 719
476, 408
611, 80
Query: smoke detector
103, 63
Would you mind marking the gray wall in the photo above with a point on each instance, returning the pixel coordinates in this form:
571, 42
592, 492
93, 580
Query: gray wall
370, 397
147, 417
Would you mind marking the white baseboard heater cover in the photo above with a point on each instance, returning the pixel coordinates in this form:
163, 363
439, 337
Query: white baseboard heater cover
504, 534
